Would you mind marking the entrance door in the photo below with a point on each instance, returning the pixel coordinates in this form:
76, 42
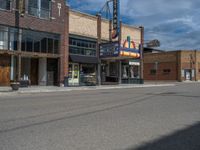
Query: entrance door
188, 75
73, 74
4, 70
34, 71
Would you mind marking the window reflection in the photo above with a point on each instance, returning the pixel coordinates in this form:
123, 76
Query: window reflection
82, 47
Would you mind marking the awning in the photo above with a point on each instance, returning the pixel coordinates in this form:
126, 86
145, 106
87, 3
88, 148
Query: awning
83, 59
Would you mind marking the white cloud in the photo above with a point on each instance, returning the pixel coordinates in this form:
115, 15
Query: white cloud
174, 22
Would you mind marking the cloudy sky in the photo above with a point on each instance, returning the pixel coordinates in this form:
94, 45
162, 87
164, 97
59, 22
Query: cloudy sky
175, 23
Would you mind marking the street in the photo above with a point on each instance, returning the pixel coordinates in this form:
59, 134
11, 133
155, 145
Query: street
151, 118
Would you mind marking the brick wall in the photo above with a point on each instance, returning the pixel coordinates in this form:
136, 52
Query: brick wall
166, 61
176, 61
86, 25
190, 60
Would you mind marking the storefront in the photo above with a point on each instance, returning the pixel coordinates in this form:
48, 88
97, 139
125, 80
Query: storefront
82, 74
120, 63
130, 71
39, 71
82, 61
30, 57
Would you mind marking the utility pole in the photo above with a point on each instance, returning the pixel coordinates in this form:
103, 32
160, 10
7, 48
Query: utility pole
141, 54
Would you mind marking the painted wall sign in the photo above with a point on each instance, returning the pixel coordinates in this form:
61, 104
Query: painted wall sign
116, 18
59, 9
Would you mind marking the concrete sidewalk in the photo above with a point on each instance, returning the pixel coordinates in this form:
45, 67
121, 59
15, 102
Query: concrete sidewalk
6, 91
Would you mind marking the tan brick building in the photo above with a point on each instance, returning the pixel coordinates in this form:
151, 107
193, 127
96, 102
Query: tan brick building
86, 32
179, 65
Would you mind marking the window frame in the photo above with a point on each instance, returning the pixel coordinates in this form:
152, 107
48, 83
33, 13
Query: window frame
39, 10
82, 47
9, 7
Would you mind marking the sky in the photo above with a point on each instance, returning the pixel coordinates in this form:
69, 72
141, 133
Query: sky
175, 23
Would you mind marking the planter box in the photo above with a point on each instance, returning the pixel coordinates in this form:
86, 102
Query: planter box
15, 86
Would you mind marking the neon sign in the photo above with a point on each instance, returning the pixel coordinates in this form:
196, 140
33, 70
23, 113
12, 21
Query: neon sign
116, 18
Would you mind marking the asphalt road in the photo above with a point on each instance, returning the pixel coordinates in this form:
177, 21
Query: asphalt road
153, 118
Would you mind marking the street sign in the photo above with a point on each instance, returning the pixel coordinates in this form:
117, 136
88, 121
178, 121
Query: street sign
109, 49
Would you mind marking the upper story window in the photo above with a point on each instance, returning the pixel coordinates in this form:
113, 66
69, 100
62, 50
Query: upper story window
5, 4
8, 38
39, 8
33, 41
82, 47
3, 38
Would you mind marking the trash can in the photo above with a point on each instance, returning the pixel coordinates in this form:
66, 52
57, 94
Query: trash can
66, 82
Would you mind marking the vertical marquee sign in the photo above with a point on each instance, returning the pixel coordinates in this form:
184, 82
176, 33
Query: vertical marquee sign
116, 18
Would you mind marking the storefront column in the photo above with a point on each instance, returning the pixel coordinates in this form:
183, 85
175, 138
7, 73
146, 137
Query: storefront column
99, 73
120, 72
98, 48
141, 54
43, 71
19, 67
12, 68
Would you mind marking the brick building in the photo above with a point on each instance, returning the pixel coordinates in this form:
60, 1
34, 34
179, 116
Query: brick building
86, 67
179, 65
43, 41
33, 41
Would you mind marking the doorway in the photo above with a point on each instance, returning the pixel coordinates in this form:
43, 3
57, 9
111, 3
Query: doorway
34, 71
4, 70
52, 72
188, 75
73, 74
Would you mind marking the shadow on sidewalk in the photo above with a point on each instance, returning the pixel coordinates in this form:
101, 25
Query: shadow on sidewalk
186, 139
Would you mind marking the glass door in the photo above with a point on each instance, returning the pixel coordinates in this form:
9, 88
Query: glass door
73, 74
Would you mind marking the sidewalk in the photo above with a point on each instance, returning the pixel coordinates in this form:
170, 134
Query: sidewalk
6, 91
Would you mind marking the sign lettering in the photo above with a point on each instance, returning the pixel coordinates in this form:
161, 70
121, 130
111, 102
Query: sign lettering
116, 14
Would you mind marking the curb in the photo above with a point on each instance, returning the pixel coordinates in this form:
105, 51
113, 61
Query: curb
10, 93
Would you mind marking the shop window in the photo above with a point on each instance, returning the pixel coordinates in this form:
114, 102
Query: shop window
5, 4
152, 71
44, 45
70, 41
50, 45
56, 46
29, 45
23, 44
13, 39
39, 8
82, 47
36, 46
3, 38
